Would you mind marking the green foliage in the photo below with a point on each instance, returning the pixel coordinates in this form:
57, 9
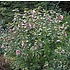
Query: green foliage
6, 7
37, 40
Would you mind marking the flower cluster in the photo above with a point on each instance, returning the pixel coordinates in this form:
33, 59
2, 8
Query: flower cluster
35, 38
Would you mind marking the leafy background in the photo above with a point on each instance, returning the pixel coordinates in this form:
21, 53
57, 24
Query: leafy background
13, 30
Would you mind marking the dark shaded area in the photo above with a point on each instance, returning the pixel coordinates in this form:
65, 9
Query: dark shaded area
6, 7
65, 5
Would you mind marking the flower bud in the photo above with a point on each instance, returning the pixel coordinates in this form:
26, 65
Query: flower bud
23, 43
2, 46
65, 34
61, 17
41, 45
17, 52
63, 51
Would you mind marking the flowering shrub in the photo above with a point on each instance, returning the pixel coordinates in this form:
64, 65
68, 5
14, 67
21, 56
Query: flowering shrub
37, 40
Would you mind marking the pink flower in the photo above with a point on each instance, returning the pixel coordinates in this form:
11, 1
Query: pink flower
17, 52
61, 17
49, 18
23, 43
11, 30
27, 25
33, 47
33, 12
2, 46
41, 45
3, 39
32, 16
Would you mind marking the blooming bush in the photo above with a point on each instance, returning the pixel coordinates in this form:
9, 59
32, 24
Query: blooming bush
37, 40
